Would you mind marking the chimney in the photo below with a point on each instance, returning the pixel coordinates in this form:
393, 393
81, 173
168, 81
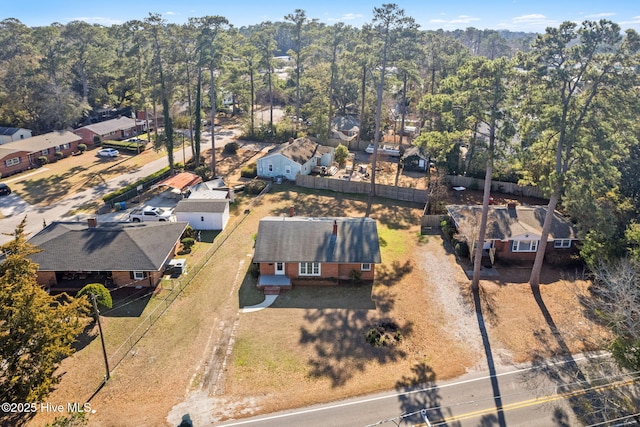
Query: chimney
292, 211
92, 222
335, 227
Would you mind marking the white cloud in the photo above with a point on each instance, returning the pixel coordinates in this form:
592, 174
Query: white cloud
454, 22
535, 22
170, 13
347, 17
600, 15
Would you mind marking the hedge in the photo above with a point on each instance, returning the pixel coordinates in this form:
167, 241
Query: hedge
146, 180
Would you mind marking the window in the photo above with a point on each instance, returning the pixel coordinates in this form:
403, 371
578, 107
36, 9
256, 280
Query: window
287, 169
270, 168
524, 246
66, 146
309, 269
562, 243
138, 275
365, 267
12, 162
45, 152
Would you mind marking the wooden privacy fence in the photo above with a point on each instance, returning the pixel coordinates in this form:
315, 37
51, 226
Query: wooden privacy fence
344, 186
497, 186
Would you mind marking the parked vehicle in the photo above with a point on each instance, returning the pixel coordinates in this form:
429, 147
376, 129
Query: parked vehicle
149, 213
4, 189
108, 152
389, 150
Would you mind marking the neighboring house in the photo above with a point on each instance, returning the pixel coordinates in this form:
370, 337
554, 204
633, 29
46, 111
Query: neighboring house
306, 250
347, 126
19, 156
414, 159
513, 232
155, 121
13, 134
203, 214
114, 129
116, 254
294, 157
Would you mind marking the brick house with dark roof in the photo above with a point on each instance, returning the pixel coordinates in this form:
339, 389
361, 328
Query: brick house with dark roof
308, 250
118, 254
114, 129
19, 156
513, 232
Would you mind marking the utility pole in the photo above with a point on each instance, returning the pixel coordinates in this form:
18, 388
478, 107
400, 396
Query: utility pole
104, 349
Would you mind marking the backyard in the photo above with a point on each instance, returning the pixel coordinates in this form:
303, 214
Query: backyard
205, 359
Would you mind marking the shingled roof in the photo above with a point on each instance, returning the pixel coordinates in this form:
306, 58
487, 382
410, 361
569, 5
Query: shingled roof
202, 205
113, 125
300, 150
306, 239
74, 246
505, 223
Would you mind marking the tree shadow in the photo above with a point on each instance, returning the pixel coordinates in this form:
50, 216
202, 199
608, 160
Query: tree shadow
587, 386
344, 296
420, 392
128, 302
497, 397
88, 334
338, 340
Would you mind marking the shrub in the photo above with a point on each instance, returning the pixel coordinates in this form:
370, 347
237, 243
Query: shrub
231, 148
42, 160
249, 171
203, 172
188, 242
59, 155
447, 229
96, 140
341, 154
255, 187
103, 296
82, 148
108, 197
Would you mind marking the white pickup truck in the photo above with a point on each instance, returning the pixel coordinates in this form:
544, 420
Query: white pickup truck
149, 213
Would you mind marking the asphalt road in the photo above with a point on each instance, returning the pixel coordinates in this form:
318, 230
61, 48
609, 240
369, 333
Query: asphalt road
526, 398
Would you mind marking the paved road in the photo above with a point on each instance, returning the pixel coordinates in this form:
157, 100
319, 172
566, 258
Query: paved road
526, 398
14, 209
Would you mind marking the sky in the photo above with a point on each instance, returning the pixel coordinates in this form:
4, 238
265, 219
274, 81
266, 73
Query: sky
513, 15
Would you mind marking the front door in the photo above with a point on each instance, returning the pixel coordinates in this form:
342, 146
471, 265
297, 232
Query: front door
280, 268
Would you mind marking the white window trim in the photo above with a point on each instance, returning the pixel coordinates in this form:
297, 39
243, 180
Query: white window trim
138, 275
12, 162
366, 266
303, 269
287, 169
515, 246
45, 152
562, 243
66, 146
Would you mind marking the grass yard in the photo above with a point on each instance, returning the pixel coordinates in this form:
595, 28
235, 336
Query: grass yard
310, 346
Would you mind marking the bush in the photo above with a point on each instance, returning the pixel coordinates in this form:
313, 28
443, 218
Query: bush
103, 296
341, 154
249, 171
96, 140
231, 148
188, 242
42, 160
59, 155
255, 187
448, 230
203, 172
82, 148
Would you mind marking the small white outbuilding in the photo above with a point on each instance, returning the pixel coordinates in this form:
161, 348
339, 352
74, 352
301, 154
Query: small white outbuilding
203, 214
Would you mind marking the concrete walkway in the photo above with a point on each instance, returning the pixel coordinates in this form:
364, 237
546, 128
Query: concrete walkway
268, 300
